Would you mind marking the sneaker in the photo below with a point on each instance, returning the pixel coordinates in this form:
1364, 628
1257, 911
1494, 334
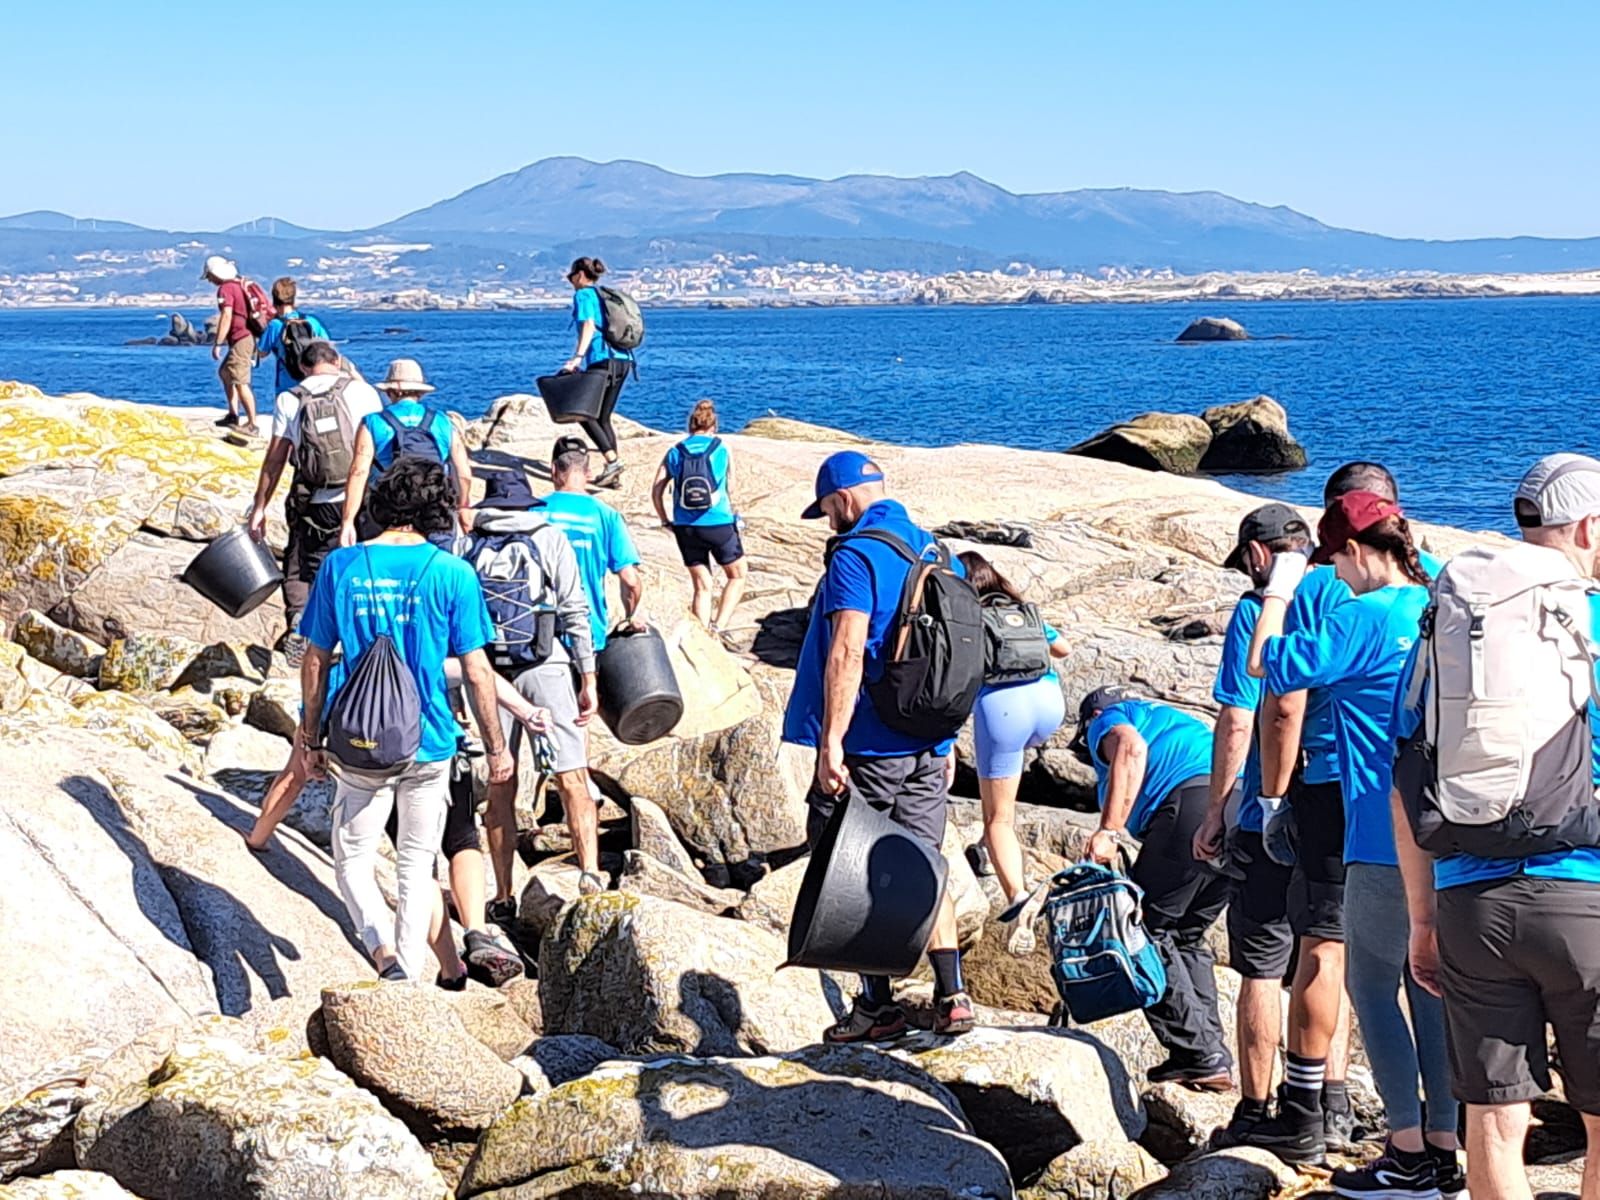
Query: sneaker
1389, 1178
1448, 1176
1210, 1075
864, 1023
294, 649
458, 984
1339, 1130
953, 1014
393, 973
491, 958
611, 477
1294, 1133
502, 912
251, 430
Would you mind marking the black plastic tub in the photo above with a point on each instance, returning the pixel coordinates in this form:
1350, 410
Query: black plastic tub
639, 696
235, 572
574, 396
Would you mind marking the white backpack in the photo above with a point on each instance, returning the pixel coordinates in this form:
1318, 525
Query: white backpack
1502, 764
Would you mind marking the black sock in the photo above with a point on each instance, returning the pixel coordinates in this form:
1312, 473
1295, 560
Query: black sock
1335, 1096
1409, 1158
946, 972
876, 990
1302, 1079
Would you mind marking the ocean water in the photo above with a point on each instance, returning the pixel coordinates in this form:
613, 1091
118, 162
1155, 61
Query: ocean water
1456, 396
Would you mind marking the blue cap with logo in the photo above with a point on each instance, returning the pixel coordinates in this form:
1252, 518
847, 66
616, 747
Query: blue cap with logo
846, 469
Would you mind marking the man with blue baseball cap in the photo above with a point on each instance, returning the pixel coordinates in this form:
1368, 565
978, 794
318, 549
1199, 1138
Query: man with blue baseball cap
857, 754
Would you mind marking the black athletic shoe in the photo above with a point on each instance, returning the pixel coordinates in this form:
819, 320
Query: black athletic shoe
1294, 1134
1339, 1130
502, 912
1239, 1127
1447, 1173
226, 420
1209, 1075
1389, 1179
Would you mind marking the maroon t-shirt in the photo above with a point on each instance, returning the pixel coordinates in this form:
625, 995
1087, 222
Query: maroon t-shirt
231, 295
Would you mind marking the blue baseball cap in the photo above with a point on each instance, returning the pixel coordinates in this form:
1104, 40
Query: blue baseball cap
846, 469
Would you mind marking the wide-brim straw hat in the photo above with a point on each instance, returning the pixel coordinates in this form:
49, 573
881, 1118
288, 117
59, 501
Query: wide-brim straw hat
218, 268
405, 375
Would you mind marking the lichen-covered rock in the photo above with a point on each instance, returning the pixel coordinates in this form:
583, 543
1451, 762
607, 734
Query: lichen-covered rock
1099, 1170
523, 995
648, 975
770, 900
146, 662
1252, 435
1171, 442
1032, 1093
1214, 329
551, 885
217, 1120
228, 660
647, 877
652, 833
67, 1185
407, 1046
36, 1120
548, 1062
1182, 1120
197, 720
489, 1015
122, 720
838, 1122
67, 650
1244, 1173
14, 683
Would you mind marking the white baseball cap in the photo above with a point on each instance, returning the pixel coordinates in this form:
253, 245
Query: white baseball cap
1559, 489
220, 269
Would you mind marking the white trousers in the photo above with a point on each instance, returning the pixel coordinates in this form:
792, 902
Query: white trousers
421, 795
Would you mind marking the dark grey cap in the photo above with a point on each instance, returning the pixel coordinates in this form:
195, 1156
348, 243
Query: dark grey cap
1098, 700
1266, 524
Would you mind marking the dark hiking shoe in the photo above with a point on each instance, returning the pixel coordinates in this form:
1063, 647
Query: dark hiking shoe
1246, 1117
502, 912
1339, 1130
864, 1023
226, 420
1294, 1134
1389, 1178
953, 1014
1448, 1176
458, 984
393, 973
491, 959
1208, 1075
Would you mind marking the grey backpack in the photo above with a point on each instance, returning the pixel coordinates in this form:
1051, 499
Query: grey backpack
1016, 647
621, 322
327, 438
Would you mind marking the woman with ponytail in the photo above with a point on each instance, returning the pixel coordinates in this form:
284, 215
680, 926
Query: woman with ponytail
594, 353
1357, 654
698, 472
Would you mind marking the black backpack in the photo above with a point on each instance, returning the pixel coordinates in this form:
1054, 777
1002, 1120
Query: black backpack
697, 484
1017, 649
297, 338
374, 725
516, 590
934, 649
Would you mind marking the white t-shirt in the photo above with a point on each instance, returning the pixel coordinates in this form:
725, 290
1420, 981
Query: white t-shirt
360, 400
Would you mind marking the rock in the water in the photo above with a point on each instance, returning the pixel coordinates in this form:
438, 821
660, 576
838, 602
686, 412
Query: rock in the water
1214, 329
648, 975
1100, 1170
652, 833
220, 1121
844, 1122
67, 1185
1171, 442
408, 1047
1182, 1120
1032, 1093
552, 1061
67, 650
36, 1122
1244, 1173
1252, 435
647, 877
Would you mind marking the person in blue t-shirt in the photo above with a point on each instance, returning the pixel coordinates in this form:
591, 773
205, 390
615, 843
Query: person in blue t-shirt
431, 605
594, 353
1152, 764
283, 299
830, 711
425, 432
699, 471
1513, 944
1356, 653
599, 537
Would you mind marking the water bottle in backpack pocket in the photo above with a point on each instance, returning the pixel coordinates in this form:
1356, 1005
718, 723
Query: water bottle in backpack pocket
1101, 958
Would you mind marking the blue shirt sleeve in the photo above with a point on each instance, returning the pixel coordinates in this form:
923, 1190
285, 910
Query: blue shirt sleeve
1404, 720
1235, 687
319, 624
470, 626
620, 551
317, 327
271, 336
1333, 650
586, 307
1108, 720
847, 584
1052, 635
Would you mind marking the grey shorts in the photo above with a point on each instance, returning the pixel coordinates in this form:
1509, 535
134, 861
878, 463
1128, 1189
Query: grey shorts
910, 788
550, 686
1517, 955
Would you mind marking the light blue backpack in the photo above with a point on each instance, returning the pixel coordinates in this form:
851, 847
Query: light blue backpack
1101, 958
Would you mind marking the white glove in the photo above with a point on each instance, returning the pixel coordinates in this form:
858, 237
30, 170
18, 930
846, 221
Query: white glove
1288, 569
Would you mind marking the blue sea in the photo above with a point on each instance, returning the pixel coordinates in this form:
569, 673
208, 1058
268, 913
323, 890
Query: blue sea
1456, 396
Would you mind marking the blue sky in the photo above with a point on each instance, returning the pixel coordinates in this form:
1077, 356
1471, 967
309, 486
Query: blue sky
1411, 117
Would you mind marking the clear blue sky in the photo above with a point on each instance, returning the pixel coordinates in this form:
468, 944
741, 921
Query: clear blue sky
1408, 117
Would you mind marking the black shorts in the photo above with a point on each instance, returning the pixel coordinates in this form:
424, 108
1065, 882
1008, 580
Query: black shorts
699, 544
1260, 941
1516, 955
910, 788
1316, 885
460, 819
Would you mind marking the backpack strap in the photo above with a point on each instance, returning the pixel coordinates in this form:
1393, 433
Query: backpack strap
393, 422
1586, 644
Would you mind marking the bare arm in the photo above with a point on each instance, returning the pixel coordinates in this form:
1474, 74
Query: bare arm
224, 324
1126, 755
585, 337
267, 483
463, 467
1282, 718
314, 670
841, 685
632, 583
1422, 900
480, 691
505, 694
1230, 744
355, 485
658, 492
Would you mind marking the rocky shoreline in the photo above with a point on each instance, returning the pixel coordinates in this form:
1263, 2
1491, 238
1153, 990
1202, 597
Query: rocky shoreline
184, 1018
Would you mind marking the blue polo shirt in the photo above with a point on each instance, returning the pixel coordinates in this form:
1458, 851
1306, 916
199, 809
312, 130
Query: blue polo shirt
1356, 654
1577, 866
429, 602
586, 306
1178, 748
721, 510
600, 540
272, 343
408, 412
863, 576
1235, 687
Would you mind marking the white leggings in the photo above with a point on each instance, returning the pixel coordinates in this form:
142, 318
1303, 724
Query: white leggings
359, 814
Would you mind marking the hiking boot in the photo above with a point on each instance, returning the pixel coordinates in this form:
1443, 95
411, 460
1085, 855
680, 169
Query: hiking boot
294, 649
1246, 1117
1294, 1134
491, 958
1208, 1075
953, 1014
864, 1023
1448, 1176
1339, 1130
611, 477
226, 419
502, 912
1389, 1178
393, 973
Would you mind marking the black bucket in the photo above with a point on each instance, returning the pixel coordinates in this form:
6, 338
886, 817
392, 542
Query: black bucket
235, 572
574, 396
639, 696
869, 898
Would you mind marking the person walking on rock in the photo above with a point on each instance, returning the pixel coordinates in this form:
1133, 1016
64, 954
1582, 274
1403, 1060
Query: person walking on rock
1357, 653
431, 607
595, 353
235, 345
699, 471
598, 534
288, 334
1510, 935
831, 711
1152, 765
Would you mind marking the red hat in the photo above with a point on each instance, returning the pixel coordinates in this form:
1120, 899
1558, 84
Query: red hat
1348, 516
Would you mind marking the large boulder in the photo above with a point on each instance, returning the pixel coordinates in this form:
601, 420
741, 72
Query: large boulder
1214, 329
1171, 442
653, 834
1101, 1170
221, 1121
1244, 1173
67, 650
548, 1062
645, 876
1181, 1120
36, 1121
67, 1185
840, 1122
649, 975
1252, 435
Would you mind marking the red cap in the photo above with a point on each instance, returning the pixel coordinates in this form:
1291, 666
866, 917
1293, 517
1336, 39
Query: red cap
1348, 516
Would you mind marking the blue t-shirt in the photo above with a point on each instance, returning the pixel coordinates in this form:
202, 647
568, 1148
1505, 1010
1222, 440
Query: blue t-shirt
1581, 865
863, 576
409, 413
428, 601
272, 343
1356, 653
1178, 748
600, 540
721, 510
1235, 687
586, 306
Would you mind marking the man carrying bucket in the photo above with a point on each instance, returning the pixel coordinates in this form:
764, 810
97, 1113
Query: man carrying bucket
858, 756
